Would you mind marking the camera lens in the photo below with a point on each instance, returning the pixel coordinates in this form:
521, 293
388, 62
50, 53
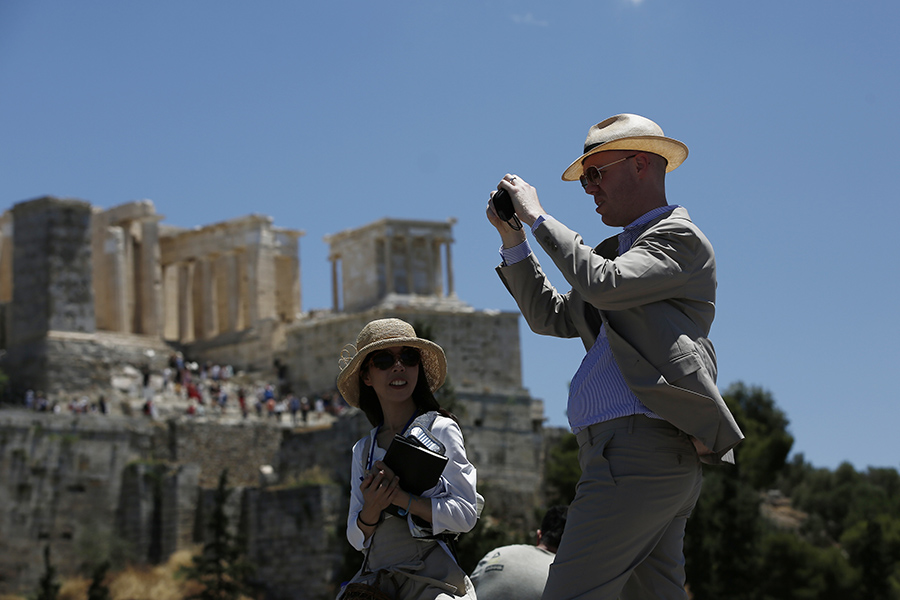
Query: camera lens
503, 205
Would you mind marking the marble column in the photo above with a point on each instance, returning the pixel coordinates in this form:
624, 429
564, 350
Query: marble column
410, 281
186, 332
451, 291
149, 285
335, 296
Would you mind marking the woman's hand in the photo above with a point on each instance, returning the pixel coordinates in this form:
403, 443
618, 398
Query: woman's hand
412, 504
378, 489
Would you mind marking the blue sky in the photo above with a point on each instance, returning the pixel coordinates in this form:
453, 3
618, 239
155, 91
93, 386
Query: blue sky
330, 115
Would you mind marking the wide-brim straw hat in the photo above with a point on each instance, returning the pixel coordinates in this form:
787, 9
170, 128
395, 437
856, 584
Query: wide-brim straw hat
628, 132
387, 333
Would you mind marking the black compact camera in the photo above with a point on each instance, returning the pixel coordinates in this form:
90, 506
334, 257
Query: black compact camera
504, 207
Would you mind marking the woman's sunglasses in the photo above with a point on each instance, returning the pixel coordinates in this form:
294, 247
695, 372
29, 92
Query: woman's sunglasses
384, 360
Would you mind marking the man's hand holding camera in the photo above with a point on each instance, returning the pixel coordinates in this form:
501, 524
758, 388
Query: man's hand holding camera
525, 205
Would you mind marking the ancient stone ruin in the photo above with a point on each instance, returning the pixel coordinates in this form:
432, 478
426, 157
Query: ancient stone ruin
87, 293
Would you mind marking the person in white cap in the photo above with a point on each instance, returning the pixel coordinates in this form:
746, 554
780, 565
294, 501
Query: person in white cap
391, 374
644, 403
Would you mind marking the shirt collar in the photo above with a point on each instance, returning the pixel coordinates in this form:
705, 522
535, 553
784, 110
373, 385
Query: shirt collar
649, 216
636, 227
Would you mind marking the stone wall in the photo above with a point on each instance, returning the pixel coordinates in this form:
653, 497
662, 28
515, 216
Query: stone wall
51, 268
85, 364
482, 347
242, 448
61, 485
94, 486
51, 265
296, 539
504, 440
253, 349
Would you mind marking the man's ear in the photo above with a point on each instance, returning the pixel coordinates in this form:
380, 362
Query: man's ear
642, 163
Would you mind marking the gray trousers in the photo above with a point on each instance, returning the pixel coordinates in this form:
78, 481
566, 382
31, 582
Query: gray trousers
624, 535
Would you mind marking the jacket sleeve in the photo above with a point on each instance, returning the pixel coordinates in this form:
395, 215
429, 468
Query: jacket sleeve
659, 265
546, 310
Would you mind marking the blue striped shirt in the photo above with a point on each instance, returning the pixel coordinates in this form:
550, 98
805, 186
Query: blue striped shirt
598, 391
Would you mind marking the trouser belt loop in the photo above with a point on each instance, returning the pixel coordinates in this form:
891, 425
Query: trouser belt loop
631, 424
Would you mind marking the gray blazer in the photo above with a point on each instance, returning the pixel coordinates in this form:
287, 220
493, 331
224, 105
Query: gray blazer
657, 302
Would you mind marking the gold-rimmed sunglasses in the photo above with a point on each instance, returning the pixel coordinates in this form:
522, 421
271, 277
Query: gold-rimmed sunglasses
593, 174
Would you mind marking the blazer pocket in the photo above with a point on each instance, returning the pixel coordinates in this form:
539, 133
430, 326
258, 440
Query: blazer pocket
680, 366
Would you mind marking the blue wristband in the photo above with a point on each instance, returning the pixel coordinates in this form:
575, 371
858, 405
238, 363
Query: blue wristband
405, 511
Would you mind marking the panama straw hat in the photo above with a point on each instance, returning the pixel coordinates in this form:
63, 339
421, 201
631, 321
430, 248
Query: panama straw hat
387, 333
628, 132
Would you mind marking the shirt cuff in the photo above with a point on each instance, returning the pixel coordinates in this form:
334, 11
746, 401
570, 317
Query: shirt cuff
538, 221
511, 256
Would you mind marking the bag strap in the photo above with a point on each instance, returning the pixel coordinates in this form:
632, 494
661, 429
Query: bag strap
420, 430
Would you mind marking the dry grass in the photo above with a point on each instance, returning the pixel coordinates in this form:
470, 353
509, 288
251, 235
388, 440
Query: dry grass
136, 583
153, 583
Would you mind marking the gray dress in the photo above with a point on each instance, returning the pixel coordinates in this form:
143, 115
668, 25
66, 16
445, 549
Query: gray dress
409, 568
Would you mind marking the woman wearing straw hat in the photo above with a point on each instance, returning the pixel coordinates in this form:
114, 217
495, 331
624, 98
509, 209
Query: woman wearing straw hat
391, 376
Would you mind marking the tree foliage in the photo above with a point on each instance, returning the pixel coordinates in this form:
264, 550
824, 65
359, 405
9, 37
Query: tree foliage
847, 545
48, 587
221, 567
98, 589
767, 442
561, 471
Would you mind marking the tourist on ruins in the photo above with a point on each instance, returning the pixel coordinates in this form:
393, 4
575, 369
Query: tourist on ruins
259, 404
644, 404
193, 392
304, 409
391, 375
242, 401
223, 398
294, 407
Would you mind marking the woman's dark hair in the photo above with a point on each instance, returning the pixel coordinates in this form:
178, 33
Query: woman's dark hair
422, 396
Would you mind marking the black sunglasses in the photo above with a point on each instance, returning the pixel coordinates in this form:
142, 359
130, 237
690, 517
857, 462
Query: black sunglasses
384, 360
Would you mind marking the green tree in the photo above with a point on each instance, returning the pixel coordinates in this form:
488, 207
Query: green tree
48, 588
721, 544
98, 589
873, 547
724, 534
4, 380
767, 443
796, 570
221, 567
562, 471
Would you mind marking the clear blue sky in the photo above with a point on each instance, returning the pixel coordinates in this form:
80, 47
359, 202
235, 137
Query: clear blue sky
330, 115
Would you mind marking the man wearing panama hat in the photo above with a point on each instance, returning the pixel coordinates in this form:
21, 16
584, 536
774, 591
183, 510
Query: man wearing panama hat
644, 403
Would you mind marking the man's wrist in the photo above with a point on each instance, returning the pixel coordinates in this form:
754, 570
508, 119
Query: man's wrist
512, 239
